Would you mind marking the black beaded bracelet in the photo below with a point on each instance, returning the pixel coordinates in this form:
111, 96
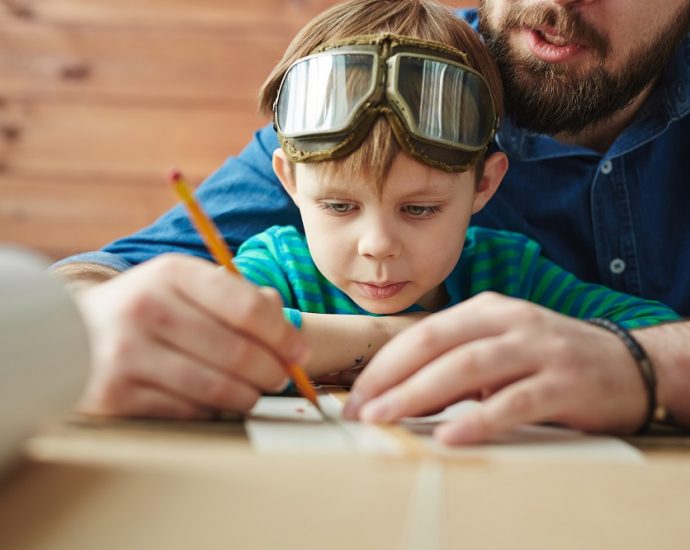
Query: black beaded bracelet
644, 364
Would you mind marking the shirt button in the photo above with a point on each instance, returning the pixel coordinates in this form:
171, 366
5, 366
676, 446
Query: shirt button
617, 266
606, 167
680, 91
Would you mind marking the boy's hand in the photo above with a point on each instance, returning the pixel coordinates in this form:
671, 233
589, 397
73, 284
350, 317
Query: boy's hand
176, 337
535, 365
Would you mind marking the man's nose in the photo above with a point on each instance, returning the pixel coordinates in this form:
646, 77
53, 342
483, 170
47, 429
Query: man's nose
379, 240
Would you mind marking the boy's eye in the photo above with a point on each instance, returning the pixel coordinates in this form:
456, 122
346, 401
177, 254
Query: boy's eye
417, 211
338, 207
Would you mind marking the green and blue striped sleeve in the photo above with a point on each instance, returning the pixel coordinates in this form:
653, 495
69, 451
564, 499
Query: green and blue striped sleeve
258, 260
279, 257
551, 286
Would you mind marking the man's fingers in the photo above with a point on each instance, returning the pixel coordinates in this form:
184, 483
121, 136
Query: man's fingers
204, 339
530, 400
238, 304
458, 373
483, 316
149, 402
403, 356
197, 383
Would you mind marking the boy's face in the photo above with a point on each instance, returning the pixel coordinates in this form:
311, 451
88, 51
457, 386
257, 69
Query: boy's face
391, 251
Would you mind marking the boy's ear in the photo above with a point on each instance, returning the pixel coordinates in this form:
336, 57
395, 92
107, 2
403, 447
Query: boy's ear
495, 167
284, 171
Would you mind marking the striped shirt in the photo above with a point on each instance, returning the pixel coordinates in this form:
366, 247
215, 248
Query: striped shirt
499, 261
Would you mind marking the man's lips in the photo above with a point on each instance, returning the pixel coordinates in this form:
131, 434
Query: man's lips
550, 35
550, 47
381, 291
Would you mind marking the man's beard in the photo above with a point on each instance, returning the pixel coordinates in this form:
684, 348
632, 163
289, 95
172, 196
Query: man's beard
548, 98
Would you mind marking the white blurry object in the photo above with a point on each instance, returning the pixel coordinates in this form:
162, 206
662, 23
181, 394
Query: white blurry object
44, 352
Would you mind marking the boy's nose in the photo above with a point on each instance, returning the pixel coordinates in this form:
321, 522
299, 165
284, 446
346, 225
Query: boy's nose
379, 242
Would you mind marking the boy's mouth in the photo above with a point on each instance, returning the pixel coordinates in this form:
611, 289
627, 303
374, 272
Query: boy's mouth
381, 291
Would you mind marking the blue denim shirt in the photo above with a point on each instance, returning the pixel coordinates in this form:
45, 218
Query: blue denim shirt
621, 218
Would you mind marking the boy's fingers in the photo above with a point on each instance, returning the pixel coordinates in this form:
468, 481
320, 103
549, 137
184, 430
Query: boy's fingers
456, 374
530, 400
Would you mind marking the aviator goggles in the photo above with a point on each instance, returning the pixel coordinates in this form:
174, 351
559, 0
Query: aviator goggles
440, 109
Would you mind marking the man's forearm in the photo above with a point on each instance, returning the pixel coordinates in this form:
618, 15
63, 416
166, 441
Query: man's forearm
668, 346
80, 275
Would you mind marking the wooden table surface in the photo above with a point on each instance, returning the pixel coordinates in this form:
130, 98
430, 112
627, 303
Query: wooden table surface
139, 484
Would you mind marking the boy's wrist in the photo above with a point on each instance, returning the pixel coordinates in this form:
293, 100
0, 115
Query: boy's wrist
392, 325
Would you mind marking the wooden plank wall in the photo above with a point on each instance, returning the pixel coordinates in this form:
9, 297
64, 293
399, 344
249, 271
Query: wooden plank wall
99, 97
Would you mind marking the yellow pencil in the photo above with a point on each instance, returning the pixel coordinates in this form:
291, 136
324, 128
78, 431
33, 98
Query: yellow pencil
223, 255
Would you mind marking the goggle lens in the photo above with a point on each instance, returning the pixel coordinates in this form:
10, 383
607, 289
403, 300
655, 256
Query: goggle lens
440, 110
323, 93
444, 103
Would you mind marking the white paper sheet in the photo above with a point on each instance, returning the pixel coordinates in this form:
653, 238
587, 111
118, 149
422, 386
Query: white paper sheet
293, 425
526, 442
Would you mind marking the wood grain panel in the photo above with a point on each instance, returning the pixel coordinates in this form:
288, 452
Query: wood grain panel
253, 14
134, 64
94, 140
209, 14
139, 62
60, 216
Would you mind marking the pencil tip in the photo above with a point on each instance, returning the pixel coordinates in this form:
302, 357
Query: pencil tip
174, 175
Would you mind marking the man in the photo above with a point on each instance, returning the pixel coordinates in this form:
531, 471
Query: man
598, 93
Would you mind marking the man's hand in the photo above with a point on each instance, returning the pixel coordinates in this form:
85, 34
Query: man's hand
530, 363
177, 337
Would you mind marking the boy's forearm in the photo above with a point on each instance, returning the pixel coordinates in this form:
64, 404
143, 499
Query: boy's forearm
340, 342
668, 346
80, 275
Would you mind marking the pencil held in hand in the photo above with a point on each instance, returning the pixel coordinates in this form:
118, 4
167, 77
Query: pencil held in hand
222, 254
204, 225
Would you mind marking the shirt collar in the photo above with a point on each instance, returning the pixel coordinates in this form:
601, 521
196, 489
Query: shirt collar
669, 102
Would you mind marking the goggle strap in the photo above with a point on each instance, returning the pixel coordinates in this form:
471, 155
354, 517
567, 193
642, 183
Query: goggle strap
296, 149
392, 41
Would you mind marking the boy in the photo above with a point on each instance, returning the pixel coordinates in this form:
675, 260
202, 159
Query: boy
383, 151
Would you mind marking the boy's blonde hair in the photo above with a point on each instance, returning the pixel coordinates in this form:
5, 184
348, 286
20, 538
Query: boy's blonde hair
423, 19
